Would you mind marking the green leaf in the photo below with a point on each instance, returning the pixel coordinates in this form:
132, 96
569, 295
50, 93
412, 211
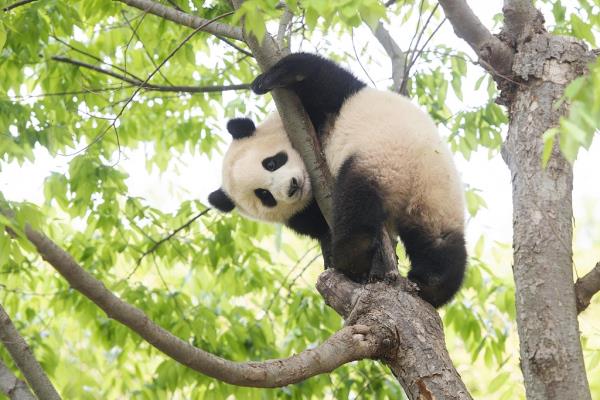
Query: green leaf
498, 382
2, 37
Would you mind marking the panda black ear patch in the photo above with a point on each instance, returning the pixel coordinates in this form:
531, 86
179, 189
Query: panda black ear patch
241, 127
219, 200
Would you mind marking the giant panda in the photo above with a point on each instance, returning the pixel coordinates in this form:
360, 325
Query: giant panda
391, 169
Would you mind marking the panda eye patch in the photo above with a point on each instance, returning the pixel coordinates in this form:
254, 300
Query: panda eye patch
265, 197
275, 162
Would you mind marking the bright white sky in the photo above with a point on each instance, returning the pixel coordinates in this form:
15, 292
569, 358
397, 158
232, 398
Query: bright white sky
189, 178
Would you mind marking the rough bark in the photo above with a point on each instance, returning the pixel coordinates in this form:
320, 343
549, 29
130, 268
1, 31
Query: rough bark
542, 66
586, 287
551, 355
494, 55
13, 387
410, 330
23, 357
182, 18
397, 56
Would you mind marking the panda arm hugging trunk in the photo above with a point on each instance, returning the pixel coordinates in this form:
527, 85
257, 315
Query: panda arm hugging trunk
391, 170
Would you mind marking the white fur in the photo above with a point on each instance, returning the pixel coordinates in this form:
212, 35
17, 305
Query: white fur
398, 145
243, 173
392, 141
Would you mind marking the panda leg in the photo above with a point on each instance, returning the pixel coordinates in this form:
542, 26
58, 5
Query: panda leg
437, 263
322, 85
358, 220
289, 70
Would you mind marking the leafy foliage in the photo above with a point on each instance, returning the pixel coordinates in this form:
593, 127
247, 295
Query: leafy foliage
239, 289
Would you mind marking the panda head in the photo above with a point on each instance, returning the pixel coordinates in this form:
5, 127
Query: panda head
263, 176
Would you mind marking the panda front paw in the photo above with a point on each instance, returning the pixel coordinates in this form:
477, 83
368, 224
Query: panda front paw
259, 86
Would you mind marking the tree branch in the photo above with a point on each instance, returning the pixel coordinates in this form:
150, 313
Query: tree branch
409, 329
411, 333
238, 48
17, 4
394, 52
149, 86
283, 39
497, 56
520, 19
586, 287
182, 18
349, 344
13, 387
23, 357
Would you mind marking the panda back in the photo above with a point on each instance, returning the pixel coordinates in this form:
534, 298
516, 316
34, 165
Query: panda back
398, 146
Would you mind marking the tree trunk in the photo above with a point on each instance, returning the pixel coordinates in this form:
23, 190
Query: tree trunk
551, 355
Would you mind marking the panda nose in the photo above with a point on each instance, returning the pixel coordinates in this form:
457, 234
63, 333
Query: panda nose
293, 187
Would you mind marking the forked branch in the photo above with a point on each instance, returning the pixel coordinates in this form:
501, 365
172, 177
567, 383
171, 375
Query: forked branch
149, 86
349, 344
496, 55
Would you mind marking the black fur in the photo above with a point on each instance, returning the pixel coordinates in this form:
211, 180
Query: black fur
437, 263
221, 201
275, 162
309, 221
265, 197
322, 85
358, 218
241, 127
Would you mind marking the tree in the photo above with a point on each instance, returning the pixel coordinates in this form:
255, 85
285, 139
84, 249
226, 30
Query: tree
93, 82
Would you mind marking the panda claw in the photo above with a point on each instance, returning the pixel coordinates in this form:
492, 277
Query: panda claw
258, 86
383, 276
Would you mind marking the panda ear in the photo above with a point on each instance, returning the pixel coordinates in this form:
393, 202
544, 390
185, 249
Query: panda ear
241, 127
221, 201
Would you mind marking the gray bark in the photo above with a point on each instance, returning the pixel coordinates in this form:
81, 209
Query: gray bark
551, 355
13, 387
540, 68
182, 18
23, 357
586, 287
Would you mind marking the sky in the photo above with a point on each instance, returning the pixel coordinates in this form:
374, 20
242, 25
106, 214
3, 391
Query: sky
193, 178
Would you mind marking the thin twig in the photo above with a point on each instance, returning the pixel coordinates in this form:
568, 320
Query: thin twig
17, 4
69, 93
358, 58
157, 244
101, 61
144, 83
149, 86
285, 279
238, 48
418, 52
134, 32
